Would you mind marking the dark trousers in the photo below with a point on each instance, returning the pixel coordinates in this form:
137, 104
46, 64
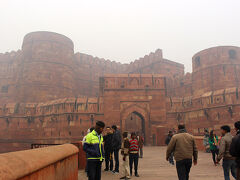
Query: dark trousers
94, 170
108, 160
116, 158
133, 158
227, 166
214, 153
183, 168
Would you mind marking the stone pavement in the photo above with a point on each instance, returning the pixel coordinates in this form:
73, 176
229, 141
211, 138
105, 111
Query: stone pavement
154, 167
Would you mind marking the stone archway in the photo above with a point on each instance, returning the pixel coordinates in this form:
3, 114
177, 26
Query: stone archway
142, 113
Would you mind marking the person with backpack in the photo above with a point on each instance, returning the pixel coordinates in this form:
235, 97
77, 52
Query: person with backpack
213, 141
235, 148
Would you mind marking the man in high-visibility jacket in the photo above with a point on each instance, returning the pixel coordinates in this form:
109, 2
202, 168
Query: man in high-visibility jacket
93, 146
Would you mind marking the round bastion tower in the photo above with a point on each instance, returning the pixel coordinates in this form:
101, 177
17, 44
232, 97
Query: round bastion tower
47, 70
216, 68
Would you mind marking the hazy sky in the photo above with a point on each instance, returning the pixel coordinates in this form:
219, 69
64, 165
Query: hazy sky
124, 30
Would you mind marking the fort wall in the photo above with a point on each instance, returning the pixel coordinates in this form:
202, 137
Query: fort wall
49, 94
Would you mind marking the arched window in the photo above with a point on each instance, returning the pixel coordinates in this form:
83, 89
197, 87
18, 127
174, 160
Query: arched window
232, 54
197, 61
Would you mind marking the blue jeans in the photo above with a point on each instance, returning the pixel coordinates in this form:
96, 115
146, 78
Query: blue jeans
227, 166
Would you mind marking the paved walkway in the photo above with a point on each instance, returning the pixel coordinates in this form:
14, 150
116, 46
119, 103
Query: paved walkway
154, 167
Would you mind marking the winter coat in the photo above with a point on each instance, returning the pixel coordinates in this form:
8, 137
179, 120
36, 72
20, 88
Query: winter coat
116, 140
108, 142
213, 143
93, 146
183, 146
225, 147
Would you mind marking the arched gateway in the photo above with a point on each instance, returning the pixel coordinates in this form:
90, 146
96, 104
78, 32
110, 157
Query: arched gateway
135, 102
135, 118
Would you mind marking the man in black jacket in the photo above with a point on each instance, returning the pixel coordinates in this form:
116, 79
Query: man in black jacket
116, 144
235, 148
108, 149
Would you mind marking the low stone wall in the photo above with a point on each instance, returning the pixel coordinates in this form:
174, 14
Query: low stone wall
50, 163
81, 155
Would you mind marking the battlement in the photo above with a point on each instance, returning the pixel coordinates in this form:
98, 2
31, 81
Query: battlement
132, 81
58, 106
222, 97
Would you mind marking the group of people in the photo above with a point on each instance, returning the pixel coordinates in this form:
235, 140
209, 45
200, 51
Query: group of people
182, 145
228, 149
99, 147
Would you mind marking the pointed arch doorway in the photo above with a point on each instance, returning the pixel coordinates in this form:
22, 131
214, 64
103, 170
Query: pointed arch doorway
135, 118
135, 123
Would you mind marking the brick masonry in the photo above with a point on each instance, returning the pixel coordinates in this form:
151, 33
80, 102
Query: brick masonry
49, 94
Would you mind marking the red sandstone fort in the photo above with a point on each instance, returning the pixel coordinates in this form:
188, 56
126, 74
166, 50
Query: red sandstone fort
49, 94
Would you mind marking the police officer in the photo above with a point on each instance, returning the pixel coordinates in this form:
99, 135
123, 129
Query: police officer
93, 146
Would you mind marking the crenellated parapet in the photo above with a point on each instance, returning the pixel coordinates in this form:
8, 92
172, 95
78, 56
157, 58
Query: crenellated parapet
89, 105
222, 97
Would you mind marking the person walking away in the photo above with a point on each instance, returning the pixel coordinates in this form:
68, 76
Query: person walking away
84, 139
125, 154
224, 147
184, 148
141, 142
93, 146
213, 142
167, 141
134, 154
116, 144
235, 148
108, 149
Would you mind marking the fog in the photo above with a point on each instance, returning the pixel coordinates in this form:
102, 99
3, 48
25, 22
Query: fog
125, 30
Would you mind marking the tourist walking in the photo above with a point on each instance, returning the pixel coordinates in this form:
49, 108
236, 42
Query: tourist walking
213, 142
167, 141
108, 149
184, 148
141, 143
235, 148
125, 154
93, 146
134, 154
228, 163
116, 144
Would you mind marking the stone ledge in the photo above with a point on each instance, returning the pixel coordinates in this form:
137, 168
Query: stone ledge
16, 165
